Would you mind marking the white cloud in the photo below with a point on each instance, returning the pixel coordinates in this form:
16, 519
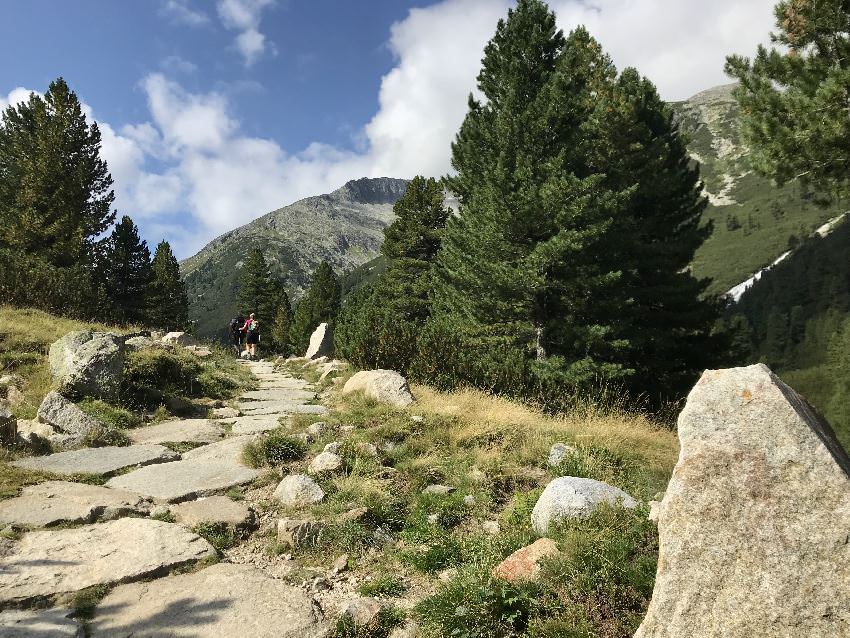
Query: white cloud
177, 64
211, 177
15, 97
181, 12
244, 16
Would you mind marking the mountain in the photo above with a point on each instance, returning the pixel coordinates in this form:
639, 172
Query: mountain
755, 222
345, 228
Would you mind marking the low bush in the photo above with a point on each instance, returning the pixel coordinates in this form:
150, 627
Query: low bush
385, 584
219, 535
110, 415
274, 449
380, 627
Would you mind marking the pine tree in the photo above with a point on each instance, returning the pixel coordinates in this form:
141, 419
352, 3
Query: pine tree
320, 304
794, 99
282, 324
55, 190
515, 277
55, 202
259, 293
379, 327
168, 305
126, 273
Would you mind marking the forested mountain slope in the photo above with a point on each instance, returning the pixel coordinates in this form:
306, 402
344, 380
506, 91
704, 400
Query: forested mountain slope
754, 221
344, 228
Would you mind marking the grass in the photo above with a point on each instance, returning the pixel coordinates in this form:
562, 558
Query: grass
496, 451
380, 627
25, 338
273, 449
85, 601
219, 535
14, 479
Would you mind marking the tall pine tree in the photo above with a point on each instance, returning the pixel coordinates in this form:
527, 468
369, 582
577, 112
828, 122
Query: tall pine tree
55, 202
283, 325
794, 98
379, 326
126, 273
320, 304
168, 305
260, 293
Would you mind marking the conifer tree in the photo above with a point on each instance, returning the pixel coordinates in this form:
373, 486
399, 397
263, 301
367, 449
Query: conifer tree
126, 273
793, 99
168, 305
514, 277
379, 326
55, 201
259, 293
283, 324
320, 304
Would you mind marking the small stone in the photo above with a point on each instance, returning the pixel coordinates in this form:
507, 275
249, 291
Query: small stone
447, 574
325, 463
524, 564
417, 418
440, 490
139, 342
318, 429
297, 533
654, 510
32, 430
354, 515
333, 447
298, 490
367, 449
180, 339
340, 565
469, 499
14, 397
559, 452
346, 429
408, 630
491, 527
160, 511
433, 519
476, 475
362, 611
46, 623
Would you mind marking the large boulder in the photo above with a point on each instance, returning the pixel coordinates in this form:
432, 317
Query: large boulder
73, 424
386, 386
573, 497
86, 363
179, 339
321, 343
754, 524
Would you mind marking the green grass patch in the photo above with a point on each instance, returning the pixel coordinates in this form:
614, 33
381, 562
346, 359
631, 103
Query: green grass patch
14, 479
85, 601
380, 627
219, 535
385, 584
274, 449
110, 415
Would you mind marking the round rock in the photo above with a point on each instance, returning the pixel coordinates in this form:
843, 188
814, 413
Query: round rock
572, 497
298, 490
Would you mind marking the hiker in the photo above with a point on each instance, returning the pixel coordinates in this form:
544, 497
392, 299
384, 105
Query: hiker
252, 331
235, 329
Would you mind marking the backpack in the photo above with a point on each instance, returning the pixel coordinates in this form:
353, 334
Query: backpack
253, 326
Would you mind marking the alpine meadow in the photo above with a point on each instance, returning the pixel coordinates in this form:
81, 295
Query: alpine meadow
425, 319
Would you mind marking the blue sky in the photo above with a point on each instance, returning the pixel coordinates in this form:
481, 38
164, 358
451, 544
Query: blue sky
214, 112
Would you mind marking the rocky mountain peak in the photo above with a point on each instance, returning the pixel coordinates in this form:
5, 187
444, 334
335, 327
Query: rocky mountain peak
371, 190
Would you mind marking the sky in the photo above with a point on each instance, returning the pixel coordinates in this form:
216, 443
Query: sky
215, 112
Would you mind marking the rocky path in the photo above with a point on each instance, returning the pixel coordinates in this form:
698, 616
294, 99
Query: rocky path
130, 548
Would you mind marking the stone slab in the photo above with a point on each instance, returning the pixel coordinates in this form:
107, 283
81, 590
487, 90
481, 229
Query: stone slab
254, 424
215, 509
286, 395
55, 502
39, 623
179, 431
222, 601
275, 407
227, 451
48, 563
183, 480
97, 460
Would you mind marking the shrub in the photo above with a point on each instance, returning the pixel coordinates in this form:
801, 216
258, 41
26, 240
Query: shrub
384, 584
380, 627
274, 449
220, 535
476, 605
110, 415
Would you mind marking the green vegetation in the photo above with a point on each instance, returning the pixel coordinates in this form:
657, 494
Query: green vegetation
84, 601
168, 305
796, 319
318, 305
379, 323
380, 627
110, 415
794, 99
389, 585
55, 206
14, 479
262, 294
219, 535
275, 448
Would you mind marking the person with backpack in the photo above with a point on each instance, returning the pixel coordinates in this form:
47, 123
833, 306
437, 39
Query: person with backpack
252, 331
235, 329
